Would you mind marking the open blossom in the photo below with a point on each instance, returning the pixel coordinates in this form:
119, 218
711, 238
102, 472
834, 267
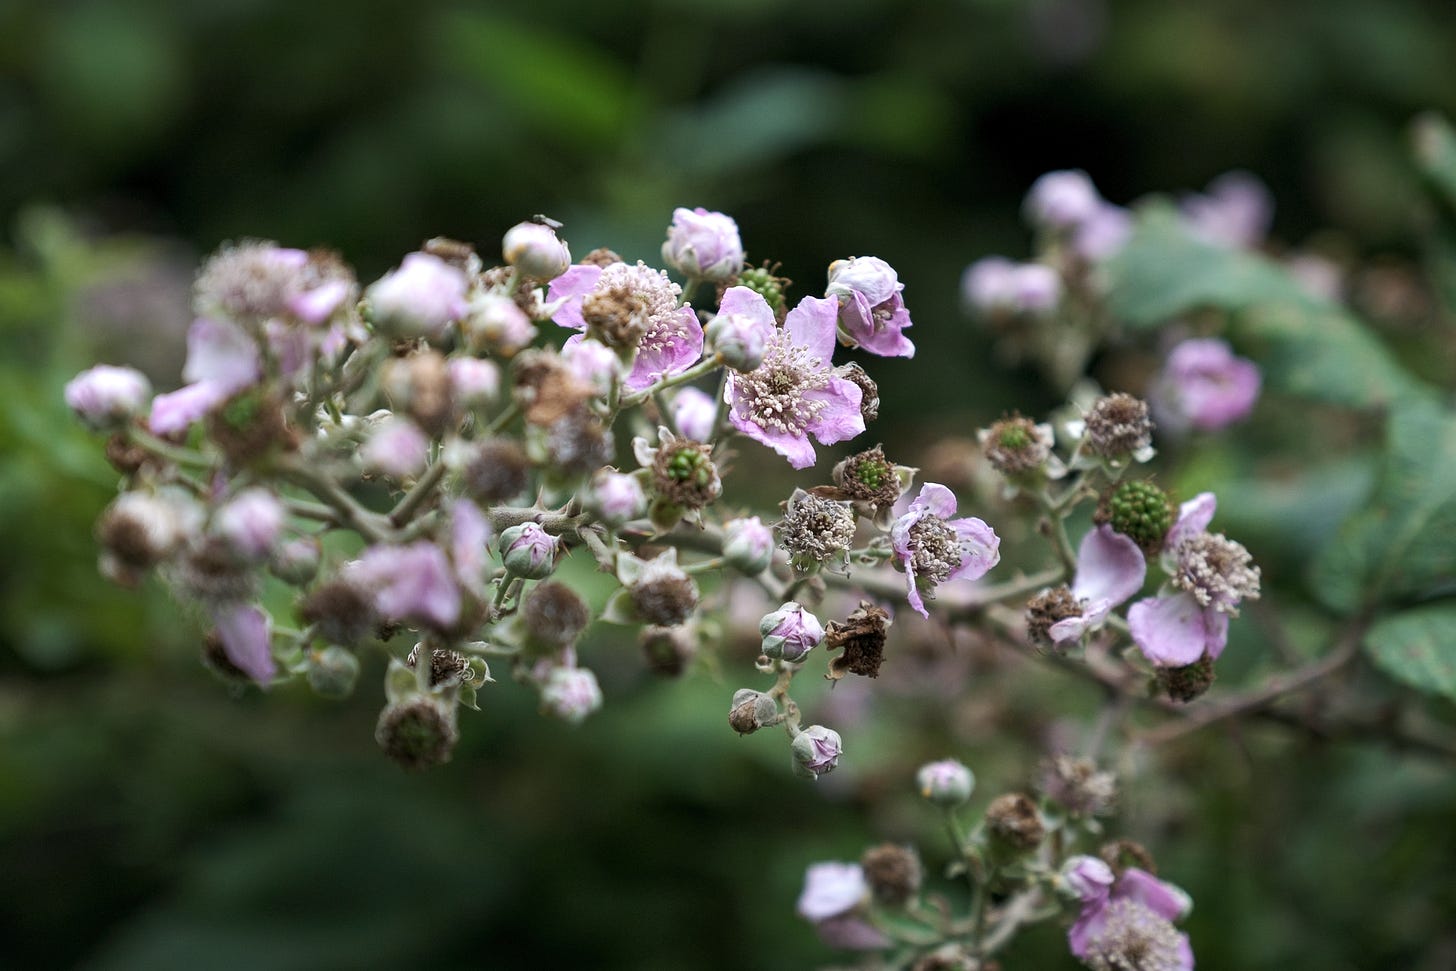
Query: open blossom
794, 392
994, 283
1211, 575
632, 309
257, 280
1127, 922
1204, 386
872, 313
221, 361
703, 245
832, 899
932, 548
1110, 569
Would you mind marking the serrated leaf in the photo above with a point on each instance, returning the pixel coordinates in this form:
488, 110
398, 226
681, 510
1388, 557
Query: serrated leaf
1403, 546
1306, 346
1417, 648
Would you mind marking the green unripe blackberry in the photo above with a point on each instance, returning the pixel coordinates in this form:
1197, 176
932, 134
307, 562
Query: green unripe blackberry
1141, 511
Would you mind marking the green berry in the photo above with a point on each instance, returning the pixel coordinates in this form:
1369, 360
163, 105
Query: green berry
1142, 512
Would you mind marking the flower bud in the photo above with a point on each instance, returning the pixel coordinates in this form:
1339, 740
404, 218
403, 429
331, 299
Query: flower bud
1140, 511
946, 783
790, 633
668, 650
498, 471
106, 396
593, 364
571, 694
396, 448
528, 551
1013, 826
751, 710
474, 382
616, 498
554, 615
140, 530
419, 386
703, 245
342, 610
893, 873
296, 561
1087, 878
748, 545
420, 299
1062, 200
495, 324
250, 523
816, 751
418, 732
1035, 288
662, 594
332, 672
535, 249
739, 339
693, 412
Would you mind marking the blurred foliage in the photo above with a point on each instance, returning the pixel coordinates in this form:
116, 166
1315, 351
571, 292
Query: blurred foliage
149, 818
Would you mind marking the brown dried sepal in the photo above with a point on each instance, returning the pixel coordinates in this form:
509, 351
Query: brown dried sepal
862, 636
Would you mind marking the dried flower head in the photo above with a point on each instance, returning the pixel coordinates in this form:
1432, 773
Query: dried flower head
1118, 428
893, 873
1016, 446
862, 637
1078, 786
815, 531
417, 733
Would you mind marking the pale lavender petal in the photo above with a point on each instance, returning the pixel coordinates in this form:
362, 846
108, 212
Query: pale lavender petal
410, 583
1110, 566
980, 548
1163, 899
884, 337
318, 305
935, 499
795, 448
571, 286
831, 889
244, 632
671, 346
1218, 625
174, 411
841, 418
1094, 613
1171, 631
748, 302
470, 535
1193, 518
289, 346
812, 324
1088, 928
220, 352
693, 412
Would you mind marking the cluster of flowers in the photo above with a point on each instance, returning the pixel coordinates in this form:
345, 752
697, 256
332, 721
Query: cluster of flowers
1021, 853
1051, 309
418, 414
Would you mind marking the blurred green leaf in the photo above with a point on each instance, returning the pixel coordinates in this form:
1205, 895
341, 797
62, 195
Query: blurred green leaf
563, 84
1418, 648
1306, 346
1401, 546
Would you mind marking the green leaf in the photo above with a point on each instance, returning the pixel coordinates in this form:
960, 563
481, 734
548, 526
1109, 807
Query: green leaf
1306, 346
1418, 648
1403, 546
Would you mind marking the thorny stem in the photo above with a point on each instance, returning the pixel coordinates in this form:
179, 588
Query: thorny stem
371, 525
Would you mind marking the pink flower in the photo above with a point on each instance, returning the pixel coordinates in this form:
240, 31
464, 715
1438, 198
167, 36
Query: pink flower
1204, 386
1103, 234
1134, 916
412, 584
790, 633
396, 448
742, 328
932, 548
703, 245
672, 338
221, 361
794, 392
816, 751
1235, 211
1110, 569
832, 899
250, 523
693, 411
872, 313
1062, 200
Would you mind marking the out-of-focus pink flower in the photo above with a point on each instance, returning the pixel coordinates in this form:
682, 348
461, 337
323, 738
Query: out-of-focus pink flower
832, 899
221, 361
1204, 386
411, 584
106, 396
